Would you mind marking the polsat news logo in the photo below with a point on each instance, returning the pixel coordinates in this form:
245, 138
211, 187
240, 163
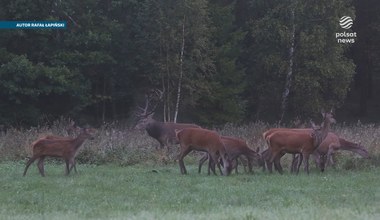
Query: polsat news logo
346, 37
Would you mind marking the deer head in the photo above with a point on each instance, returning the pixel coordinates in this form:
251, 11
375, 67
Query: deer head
72, 129
145, 114
319, 133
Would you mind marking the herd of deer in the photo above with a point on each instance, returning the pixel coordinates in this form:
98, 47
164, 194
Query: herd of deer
222, 151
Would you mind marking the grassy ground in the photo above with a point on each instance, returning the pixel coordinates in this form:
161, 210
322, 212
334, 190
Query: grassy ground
160, 192
122, 176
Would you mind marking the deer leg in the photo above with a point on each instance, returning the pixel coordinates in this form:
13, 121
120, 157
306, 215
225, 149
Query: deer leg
40, 165
201, 162
236, 165
184, 152
275, 159
271, 160
294, 163
214, 158
265, 158
329, 155
299, 163
250, 166
30, 161
277, 164
306, 162
73, 165
269, 165
244, 162
317, 160
67, 162
211, 166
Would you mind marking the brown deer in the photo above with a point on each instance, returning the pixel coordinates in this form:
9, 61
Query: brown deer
333, 143
163, 132
235, 147
58, 147
266, 154
208, 141
323, 153
290, 141
71, 130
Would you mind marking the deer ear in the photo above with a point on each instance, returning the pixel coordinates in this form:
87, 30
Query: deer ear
323, 112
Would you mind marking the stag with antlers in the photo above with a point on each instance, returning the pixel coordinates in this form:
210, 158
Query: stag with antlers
163, 132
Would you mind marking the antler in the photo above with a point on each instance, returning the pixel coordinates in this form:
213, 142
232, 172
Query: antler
154, 94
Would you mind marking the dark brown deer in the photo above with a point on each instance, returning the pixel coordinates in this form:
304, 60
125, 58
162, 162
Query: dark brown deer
235, 147
163, 132
202, 140
65, 148
290, 141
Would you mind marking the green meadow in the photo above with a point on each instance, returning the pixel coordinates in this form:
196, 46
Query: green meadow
122, 176
161, 192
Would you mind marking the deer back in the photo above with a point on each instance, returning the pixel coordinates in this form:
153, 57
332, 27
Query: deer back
353, 147
199, 137
165, 131
331, 138
170, 130
234, 146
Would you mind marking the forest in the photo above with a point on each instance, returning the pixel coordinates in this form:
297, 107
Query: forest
212, 61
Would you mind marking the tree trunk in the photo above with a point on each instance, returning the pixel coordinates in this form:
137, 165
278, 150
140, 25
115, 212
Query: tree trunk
288, 81
104, 100
180, 72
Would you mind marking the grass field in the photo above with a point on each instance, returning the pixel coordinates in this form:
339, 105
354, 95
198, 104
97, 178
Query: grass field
160, 192
122, 176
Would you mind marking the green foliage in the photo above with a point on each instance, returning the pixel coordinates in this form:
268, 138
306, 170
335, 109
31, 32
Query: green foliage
321, 74
24, 85
224, 103
234, 66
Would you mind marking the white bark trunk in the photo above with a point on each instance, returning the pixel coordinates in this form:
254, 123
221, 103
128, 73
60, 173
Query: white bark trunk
180, 72
288, 82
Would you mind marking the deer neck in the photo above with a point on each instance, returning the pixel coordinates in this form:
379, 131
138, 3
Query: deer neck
78, 141
325, 130
154, 128
319, 136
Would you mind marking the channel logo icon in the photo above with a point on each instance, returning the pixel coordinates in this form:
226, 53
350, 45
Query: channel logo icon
346, 22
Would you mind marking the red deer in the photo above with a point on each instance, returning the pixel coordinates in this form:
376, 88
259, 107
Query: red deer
200, 139
163, 132
323, 154
236, 147
288, 141
266, 155
334, 143
61, 147
55, 137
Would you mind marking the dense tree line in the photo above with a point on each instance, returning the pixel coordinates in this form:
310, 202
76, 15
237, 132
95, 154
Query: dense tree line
213, 61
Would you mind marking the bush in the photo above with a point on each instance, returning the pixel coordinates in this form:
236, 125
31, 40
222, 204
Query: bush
124, 146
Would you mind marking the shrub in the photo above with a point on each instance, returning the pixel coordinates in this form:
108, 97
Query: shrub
124, 146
